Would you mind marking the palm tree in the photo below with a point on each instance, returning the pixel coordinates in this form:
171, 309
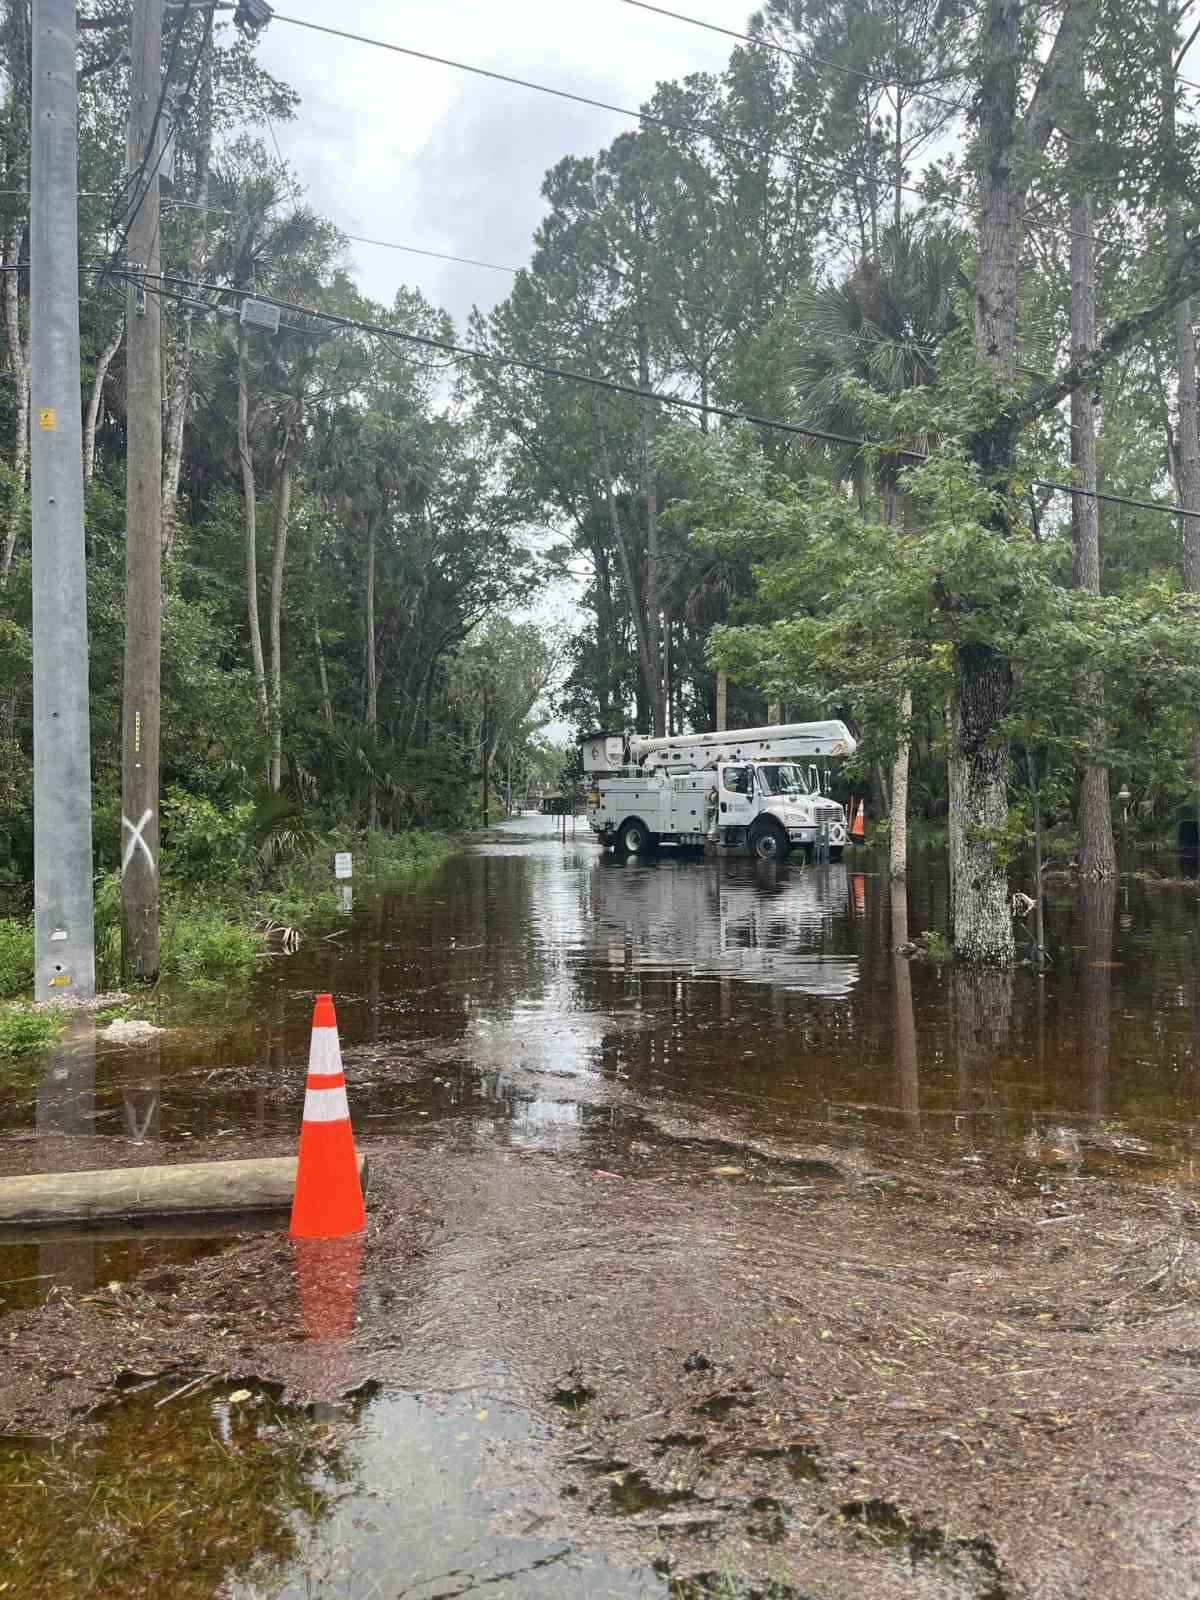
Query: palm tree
884, 323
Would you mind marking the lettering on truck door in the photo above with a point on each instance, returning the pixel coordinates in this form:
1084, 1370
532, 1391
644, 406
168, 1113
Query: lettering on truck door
737, 808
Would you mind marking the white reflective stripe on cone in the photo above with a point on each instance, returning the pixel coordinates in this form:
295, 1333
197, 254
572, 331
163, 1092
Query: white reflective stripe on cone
324, 1053
326, 1105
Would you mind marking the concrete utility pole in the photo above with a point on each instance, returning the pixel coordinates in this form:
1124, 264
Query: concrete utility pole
64, 951
143, 513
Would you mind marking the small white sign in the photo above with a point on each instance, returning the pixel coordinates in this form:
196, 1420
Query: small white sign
347, 904
343, 864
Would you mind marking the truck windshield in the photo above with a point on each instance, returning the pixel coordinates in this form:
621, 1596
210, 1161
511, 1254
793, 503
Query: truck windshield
783, 778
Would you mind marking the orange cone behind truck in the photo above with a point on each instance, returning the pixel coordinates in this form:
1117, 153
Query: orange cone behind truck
857, 828
328, 1202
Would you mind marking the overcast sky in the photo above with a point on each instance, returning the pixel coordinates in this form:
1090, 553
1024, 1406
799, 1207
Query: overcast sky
419, 154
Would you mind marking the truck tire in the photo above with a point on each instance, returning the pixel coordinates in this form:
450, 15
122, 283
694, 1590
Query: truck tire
634, 838
768, 842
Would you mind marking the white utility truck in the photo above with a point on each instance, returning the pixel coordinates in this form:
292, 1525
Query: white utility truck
747, 786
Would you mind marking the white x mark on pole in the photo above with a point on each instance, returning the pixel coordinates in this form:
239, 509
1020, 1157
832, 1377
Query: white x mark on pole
136, 842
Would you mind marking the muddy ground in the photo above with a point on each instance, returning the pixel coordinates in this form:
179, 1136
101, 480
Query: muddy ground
782, 1362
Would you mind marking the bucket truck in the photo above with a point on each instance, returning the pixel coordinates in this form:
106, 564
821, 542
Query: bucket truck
751, 787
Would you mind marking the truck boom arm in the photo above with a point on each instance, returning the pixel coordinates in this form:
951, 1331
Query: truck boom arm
791, 741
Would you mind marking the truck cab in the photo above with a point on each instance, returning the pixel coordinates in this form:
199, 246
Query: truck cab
774, 807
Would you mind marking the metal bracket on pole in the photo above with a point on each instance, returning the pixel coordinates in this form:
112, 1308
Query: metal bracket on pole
139, 286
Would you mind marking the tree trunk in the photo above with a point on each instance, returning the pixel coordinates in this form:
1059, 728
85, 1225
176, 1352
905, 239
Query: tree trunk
1185, 357
179, 399
978, 756
646, 656
898, 828
372, 680
279, 556
18, 363
326, 702
103, 362
896, 513
249, 496
722, 700
1097, 851
979, 804
650, 493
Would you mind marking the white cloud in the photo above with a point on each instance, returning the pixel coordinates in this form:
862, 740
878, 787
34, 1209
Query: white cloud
419, 154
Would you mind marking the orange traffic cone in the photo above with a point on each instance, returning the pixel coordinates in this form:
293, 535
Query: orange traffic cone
857, 829
328, 1203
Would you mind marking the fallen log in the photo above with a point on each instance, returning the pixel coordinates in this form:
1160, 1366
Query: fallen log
131, 1194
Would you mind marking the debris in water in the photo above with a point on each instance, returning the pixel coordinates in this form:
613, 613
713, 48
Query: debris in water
130, 1030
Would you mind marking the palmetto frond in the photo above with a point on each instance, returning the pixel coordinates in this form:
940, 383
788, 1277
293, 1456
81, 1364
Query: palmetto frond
883, 323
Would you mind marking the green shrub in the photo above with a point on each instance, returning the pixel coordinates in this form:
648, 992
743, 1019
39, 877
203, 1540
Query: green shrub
24, 1031
199, 946
202, 841
16, 956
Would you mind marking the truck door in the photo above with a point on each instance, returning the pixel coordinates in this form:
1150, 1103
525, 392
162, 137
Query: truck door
737, 796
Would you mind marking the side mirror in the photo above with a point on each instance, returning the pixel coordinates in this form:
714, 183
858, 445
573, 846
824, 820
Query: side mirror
814, 781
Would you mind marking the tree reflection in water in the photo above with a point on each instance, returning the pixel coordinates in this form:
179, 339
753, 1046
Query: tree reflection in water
177, 1496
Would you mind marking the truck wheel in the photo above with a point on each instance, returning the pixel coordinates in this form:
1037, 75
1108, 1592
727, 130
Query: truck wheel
634, 839
768, 842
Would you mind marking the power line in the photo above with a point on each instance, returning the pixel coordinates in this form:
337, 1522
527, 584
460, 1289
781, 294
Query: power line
437, 255
798, 55
615, 386
131, 183
672, 125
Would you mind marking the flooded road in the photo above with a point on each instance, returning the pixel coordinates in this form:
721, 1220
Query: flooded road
580, 1035
513, 996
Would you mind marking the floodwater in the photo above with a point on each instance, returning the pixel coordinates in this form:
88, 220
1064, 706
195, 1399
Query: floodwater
535, 993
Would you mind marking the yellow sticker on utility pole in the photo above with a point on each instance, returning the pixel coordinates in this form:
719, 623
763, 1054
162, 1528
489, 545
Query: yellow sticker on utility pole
61, 981
47, 419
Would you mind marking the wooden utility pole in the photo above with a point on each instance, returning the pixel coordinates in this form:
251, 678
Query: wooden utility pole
143, 509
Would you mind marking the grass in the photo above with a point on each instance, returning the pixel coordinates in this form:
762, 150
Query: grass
25, 1030
215, 931
200, 946
16, 956
304, 892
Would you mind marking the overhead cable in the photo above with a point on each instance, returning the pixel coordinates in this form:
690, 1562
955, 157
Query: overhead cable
671, 124
802, 56
615, 386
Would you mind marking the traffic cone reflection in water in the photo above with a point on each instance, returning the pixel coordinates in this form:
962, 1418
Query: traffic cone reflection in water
328, 1273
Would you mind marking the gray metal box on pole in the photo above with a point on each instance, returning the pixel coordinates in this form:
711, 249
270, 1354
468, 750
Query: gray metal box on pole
64, 952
